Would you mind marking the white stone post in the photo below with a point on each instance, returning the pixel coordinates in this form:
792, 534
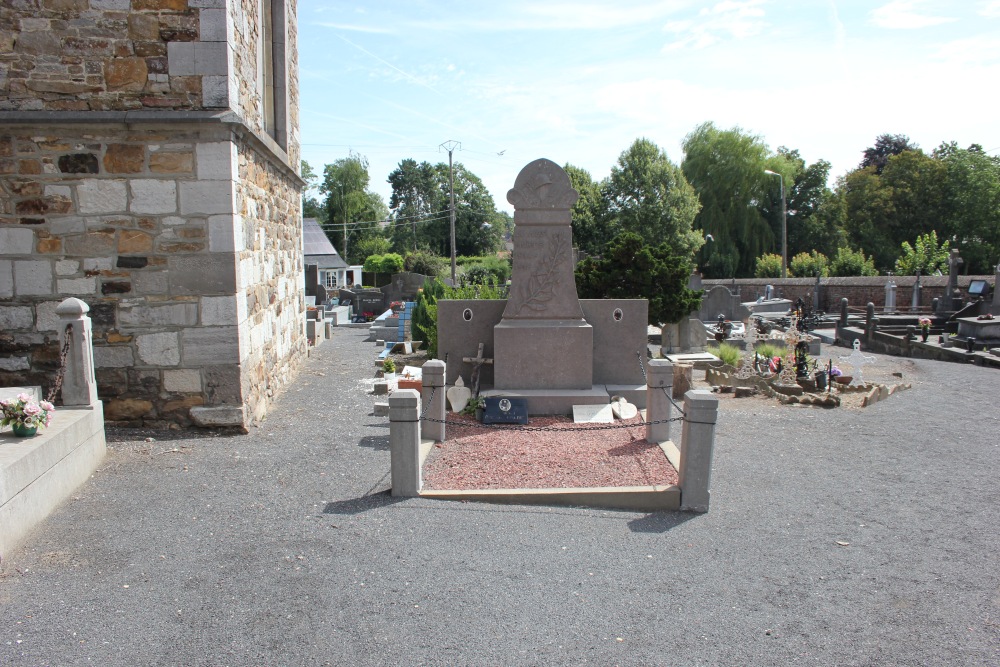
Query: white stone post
432, 378
79, 387
404, 442
659, 387
701, 411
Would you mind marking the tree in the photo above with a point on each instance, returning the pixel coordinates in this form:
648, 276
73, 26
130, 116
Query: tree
591, 227
849, 262
646, 194
349, 204
925, 256
311, 206
886, 145
739, 202
420, 203
808, 227
883, 210
632, 269
971, 215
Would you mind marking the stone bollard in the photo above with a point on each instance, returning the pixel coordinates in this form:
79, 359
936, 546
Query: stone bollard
701, 411
404, 442
79, 386
433, 375
660, 376
843, 312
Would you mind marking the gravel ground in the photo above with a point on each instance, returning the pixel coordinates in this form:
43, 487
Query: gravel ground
836, 537
478, 458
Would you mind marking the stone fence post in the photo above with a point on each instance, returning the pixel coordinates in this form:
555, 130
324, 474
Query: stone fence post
404, 442
433, 376
659, 388
843, 312
701, 411
79, 387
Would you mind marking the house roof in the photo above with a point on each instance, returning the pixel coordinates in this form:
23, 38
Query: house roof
317, 247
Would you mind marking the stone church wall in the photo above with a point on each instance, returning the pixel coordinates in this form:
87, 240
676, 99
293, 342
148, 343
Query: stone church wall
136, 175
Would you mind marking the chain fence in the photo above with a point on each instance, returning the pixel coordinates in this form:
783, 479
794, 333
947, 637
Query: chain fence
522, 427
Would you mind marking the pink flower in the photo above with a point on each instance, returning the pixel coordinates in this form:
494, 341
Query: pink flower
31, 409
46, 405
23, 397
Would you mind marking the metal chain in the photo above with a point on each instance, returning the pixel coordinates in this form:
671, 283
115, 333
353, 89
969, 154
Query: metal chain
642, 367
520, 427
430, 401
57, 387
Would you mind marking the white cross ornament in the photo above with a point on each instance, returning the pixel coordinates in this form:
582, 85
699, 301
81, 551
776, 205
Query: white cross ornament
856, 359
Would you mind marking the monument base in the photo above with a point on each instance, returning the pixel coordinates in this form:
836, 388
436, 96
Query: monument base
543, 354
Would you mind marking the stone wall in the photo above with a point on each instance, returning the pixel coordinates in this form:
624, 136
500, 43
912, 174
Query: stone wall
271, 304
120, 55
859, 291
153, 237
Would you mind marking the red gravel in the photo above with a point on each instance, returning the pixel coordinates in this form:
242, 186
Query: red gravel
478, 458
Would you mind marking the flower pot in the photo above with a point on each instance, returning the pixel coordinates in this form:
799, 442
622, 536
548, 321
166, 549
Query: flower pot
410, 384
924, 335
22, 431
843, 379
479, 414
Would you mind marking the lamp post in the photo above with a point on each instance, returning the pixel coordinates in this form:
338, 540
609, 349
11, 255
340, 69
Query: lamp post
784, 228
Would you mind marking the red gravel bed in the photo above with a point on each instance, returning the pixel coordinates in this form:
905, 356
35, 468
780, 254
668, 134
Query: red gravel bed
479, 458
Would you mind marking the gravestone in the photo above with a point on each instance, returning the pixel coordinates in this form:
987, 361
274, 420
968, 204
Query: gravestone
952, 300
543, 340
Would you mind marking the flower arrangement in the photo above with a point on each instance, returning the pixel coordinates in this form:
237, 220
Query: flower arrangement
925, 324
23, 412
397, 305
835, 372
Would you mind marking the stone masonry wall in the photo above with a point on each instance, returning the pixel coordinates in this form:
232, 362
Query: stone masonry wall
142, 225
122, 55
271, 280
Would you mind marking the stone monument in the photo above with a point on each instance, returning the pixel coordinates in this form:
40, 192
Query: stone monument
543, 340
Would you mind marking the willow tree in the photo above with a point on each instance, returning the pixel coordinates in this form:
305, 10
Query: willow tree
738, 200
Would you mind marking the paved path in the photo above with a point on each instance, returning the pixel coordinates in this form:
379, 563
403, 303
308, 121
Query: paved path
280, 548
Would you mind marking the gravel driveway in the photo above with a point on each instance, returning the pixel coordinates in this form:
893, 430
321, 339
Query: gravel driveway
836, 537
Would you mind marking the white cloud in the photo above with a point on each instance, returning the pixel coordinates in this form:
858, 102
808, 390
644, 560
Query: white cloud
730, 18
990, 10
903, 15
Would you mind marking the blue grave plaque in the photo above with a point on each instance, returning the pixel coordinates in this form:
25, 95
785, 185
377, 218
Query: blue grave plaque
500, 410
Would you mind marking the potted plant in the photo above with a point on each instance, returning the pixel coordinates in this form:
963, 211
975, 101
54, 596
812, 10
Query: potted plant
24, 415
925, 328
388, 369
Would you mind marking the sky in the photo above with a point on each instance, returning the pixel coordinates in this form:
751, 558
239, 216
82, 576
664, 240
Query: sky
577, 82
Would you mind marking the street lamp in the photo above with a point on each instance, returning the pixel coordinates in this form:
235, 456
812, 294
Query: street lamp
784, 227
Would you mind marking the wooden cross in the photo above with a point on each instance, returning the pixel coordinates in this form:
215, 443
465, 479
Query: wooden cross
477, 362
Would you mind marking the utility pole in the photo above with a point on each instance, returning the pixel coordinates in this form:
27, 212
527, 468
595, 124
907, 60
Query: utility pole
343, 205
450, 146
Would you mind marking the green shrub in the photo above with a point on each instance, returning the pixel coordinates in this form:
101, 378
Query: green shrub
491, 270
729, 354
388, 366
849, 262
391, 263
423, 323
807, 264
769, 266
426, 263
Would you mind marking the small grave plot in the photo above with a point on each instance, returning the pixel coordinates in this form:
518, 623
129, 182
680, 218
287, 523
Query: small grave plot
512, 458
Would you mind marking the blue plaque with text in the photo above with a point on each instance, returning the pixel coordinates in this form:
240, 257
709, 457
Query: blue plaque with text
500, 410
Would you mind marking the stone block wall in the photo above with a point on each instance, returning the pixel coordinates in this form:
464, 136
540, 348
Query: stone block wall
186, 243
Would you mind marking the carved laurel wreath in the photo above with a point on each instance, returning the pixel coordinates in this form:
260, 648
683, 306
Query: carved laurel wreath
543, 282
